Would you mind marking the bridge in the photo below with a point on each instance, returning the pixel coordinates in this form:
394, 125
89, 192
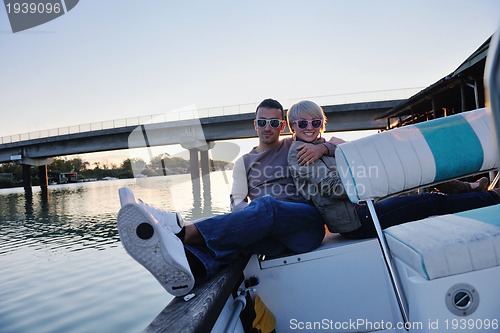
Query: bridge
195, 134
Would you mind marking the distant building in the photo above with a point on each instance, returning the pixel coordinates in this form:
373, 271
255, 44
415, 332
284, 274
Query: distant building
9, 176
59, 177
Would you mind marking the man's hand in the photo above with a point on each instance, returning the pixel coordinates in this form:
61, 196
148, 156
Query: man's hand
309, 153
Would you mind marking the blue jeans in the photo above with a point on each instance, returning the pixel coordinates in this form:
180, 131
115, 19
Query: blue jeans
398, 210
266, 226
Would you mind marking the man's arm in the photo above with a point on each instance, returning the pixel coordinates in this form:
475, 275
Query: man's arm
316, 177
239, 191
310, 153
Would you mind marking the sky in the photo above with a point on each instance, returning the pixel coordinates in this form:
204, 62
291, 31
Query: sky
114, 59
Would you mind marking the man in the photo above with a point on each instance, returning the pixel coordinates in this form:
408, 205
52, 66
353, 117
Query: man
275, 221
264, 170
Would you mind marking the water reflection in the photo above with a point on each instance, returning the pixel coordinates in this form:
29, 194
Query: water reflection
50, 223
199, 200
76, 214
62, 253
28, 204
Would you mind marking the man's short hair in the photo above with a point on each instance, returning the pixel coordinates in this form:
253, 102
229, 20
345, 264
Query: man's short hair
271, 104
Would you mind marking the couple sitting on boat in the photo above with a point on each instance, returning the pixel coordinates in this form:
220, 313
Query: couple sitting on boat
293, 188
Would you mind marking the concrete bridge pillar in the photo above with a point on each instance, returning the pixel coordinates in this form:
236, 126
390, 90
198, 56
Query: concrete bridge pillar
44, 180
205, 173
27, 184
194, 164
204, 162
26, 164
198, 157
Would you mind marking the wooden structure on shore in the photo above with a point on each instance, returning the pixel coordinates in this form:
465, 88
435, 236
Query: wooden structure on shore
462, 90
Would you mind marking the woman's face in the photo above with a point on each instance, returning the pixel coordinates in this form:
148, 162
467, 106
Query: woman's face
307, 128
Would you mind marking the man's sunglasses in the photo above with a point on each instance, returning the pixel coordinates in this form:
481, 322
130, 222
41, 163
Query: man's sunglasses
315, 123
275, 123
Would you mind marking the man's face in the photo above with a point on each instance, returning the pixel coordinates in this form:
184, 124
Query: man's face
268, 134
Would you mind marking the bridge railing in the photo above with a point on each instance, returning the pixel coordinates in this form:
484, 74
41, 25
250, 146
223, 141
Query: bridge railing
193, 113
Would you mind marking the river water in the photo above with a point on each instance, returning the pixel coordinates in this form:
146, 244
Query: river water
63, 268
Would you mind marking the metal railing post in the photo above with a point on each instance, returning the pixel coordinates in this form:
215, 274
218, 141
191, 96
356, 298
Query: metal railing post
389, 264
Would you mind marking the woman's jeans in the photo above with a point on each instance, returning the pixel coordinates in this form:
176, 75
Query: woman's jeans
266, 226
397, 210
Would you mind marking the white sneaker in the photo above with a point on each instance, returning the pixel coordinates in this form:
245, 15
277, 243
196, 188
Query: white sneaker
126, 196
173, 220
156, 248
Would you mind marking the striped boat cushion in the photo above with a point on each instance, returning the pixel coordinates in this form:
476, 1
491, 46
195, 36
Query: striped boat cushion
415, 155
449, 244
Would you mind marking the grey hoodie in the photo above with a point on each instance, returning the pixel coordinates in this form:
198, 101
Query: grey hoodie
320, 183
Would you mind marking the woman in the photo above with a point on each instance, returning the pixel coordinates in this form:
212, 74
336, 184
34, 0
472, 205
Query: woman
321, 183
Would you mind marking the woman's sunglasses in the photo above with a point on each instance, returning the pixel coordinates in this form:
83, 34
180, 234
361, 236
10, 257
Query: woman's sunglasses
275, 123
315, 123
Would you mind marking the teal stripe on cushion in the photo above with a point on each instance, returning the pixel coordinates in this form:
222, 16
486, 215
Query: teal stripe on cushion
456, 148
490, 215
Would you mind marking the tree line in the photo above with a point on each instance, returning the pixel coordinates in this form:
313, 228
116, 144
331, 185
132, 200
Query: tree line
164, 164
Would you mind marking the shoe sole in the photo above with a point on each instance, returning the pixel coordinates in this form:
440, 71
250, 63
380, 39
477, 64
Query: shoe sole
151, 246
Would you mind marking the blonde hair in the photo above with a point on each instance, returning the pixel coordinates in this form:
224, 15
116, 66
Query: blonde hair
306, 108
